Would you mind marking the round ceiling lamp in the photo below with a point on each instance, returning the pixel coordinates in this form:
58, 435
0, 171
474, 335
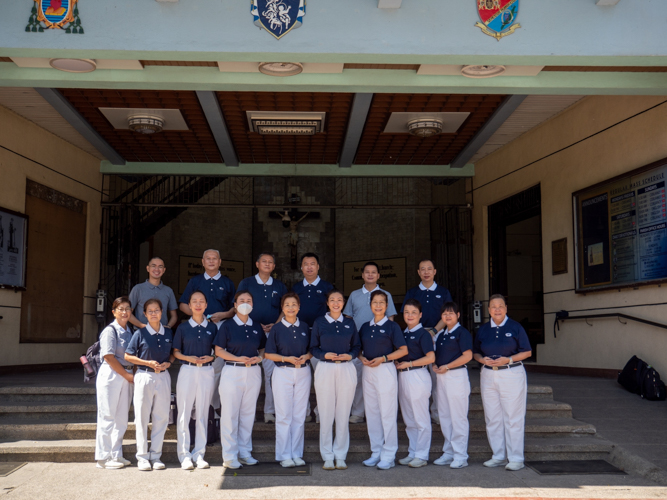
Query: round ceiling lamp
280, 68
145, 124
73, 65
483, 71
425, 127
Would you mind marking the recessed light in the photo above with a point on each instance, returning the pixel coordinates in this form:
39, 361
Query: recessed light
280, 68
73, 65
482, 71
425, 127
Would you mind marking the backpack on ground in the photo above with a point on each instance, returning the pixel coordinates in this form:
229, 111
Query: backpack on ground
642, 379
652, 388
212, 429
630, 377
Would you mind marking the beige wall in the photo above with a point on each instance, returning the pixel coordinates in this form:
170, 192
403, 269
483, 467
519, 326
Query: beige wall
67, 165
636, 142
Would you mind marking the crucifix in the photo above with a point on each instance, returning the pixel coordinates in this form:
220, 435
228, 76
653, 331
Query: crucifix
291, 220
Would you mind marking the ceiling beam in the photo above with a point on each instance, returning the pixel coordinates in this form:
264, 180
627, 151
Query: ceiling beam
74, 118
502, 113
355, 127
211, 106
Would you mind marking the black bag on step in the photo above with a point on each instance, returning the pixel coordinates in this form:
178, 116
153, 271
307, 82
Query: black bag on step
652, 388
212, 429
631, 376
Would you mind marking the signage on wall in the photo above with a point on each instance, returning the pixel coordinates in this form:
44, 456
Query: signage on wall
55, 14
13, 235
191, 266
392, 276
278, 17
498, 17
621, 230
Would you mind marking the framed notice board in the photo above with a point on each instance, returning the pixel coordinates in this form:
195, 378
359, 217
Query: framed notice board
621, 230
13, 238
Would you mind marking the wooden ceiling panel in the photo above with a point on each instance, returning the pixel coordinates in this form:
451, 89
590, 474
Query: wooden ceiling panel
195, 145
378, 148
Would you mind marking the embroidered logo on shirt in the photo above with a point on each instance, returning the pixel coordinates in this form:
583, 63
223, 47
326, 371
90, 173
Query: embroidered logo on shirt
452, 338
508, 335
255, 332
438, 296
167, 340
381, 331
221, 288
319, 291
274, 292
412, 338
208, 332
303, 333
347, 326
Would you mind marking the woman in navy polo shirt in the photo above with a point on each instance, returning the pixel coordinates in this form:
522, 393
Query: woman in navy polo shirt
500, 346
453, 349
335, 341
381, 342
414, 385
193, 344
150, 350
288, 347
240, 342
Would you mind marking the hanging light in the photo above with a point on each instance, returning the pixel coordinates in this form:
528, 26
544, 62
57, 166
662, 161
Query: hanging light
425, 127
145, 124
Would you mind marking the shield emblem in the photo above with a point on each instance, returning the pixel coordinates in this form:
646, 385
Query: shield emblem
278, 17
498, 17
55, 13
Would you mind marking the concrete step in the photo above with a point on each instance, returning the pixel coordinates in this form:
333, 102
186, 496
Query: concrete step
83, 450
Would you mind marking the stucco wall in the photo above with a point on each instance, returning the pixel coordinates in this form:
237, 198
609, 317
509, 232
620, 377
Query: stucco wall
635, 135
73, 172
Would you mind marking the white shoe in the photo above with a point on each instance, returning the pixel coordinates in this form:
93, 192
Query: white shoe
418, 462
248, 460
232, 464
187, 464
109, 464
383, 465
317, 419
309, 418
494, 463
356, 419
298, 461
123, 461
288, 463
269, 417
514, 466
443, 460
459, 464
340, 464
202, 464
371, 462
157, 465
329, 465
144, 465
406, 460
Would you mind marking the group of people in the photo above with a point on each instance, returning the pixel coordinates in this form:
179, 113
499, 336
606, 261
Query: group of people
364, 366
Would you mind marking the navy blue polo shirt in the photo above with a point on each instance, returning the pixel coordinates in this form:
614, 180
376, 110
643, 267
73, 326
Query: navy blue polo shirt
219, 291
431, 299
195, 340
450, 345
241, 339
504, 340
149, 345
313, 298
380, 339
265, 298
419, 343
286, 339
339, 336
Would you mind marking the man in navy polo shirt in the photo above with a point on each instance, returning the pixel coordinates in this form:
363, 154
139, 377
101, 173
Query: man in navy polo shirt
266, 294
153, 288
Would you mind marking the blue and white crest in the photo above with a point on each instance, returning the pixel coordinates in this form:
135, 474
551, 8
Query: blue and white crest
278, 17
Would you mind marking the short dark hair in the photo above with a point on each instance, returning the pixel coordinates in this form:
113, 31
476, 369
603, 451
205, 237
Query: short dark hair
197, 291
498, 296
413, 303
156, 257
152, 301
426, 260
334, 291
310, 254
378, 293
450, 306
289, 295
120, 300
242, 292
266, 253
370, 263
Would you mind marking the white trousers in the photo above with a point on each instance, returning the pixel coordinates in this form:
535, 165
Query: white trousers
414, 392
313, 363
217, 365
434, 394
239, 389
504, 400
269, 405
334, 387
358, 401
114, 394
453, 390
194, 387
291, 387
152, 398
380, 394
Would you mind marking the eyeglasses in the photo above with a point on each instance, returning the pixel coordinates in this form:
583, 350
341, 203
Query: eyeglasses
123, 310
153, 313
153, 266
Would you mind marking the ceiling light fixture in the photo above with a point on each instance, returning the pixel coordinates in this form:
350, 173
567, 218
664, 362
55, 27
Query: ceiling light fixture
73, 65
280, 68
425, 127
285, 122
483, 71
145, 124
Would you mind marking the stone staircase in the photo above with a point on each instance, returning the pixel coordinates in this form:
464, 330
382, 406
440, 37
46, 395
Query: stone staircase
57, 424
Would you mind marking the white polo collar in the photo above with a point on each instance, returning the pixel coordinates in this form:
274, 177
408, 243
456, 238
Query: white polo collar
363, 289
413, 329
314, 283
238, 321
153, 332
269, 282
430, 289
493, 325
115, 324
455, 327
194, 324
288, 324
331, 320
379, 323
216, 277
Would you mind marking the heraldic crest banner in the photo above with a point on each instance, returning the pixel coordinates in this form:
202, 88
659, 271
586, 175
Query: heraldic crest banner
278, 17
498, 17
54, 14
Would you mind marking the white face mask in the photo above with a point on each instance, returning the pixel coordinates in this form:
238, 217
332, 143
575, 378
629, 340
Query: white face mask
244, 309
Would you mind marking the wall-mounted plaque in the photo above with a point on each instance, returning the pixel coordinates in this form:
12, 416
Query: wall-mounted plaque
559, 256
13, 236
191, 266
392, 276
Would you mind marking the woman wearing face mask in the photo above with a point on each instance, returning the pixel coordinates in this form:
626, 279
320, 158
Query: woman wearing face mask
288, 346
335, 341
453, 349
193, 345
381, 342
414, 385
240, 343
